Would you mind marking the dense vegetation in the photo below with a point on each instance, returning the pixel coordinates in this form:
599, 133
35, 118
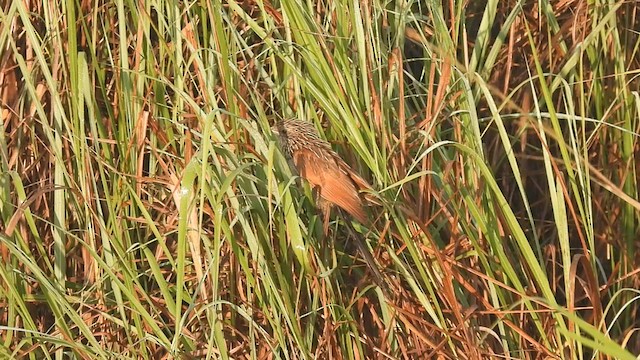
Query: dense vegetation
146, 211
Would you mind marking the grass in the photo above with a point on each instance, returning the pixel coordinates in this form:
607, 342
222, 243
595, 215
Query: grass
146, 211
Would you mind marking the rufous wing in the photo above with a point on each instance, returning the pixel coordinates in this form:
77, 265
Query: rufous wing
361, 184
335, 184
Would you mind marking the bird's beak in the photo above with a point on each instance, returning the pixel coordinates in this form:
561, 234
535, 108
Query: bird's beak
277, 127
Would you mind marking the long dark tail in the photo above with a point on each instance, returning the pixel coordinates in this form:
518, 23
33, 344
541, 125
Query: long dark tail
378, 278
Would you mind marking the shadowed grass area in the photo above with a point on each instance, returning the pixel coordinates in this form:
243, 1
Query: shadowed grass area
147, 212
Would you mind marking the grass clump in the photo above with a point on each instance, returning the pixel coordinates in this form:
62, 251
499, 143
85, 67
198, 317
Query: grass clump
146, 211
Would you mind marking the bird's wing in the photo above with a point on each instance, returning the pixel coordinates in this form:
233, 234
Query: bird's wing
360, 183
309, 167
335, 184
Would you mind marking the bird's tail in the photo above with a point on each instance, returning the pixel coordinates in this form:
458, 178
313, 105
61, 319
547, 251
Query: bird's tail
363, 249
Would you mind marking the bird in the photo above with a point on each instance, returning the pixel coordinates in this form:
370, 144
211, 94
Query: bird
330, 177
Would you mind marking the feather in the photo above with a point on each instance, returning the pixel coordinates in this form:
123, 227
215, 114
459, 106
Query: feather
336, 185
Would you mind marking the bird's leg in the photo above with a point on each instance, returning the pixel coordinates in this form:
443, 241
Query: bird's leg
325, 208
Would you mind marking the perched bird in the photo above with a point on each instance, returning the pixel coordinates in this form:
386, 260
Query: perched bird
315, 161
330, 177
